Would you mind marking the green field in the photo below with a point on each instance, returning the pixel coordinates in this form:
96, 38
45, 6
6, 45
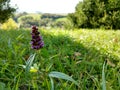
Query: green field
77, 53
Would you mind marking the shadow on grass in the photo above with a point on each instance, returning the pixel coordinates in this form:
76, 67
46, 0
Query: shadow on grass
73, 58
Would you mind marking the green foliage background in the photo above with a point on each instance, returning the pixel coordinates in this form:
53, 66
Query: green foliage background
97, 14
5, 10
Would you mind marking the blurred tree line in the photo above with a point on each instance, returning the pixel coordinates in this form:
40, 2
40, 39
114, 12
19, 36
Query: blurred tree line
96, 14
45, 20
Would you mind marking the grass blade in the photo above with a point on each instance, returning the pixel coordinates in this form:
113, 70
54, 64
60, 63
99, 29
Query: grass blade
103, 78
29, 62
2, 86
52, 83
62, 76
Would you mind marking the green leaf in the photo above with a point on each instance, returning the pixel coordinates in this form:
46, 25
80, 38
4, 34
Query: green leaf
52, 83
103, 78
48, 67
119, 79
20, 37
2, 86
62, 76
9, 43
29, 62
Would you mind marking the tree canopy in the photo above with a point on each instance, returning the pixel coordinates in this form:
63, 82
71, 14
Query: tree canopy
96, 14
5, 10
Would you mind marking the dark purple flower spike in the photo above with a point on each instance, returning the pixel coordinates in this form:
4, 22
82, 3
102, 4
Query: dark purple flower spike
36, 41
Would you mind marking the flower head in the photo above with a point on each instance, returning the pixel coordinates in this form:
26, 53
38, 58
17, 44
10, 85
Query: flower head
36, 41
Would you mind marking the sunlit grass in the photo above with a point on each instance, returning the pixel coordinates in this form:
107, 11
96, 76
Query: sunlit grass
77, 53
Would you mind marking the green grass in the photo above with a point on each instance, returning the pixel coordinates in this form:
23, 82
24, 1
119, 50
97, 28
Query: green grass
79, 53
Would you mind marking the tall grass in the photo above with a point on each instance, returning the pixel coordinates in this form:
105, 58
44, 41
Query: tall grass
78, 53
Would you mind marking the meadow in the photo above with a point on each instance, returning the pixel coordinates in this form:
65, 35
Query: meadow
90, 57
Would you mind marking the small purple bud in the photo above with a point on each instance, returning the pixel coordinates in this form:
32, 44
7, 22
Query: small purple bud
33, 36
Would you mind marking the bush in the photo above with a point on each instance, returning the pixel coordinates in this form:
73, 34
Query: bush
10, 24
96, 14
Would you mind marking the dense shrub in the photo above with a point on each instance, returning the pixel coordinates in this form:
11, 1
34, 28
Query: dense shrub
96, 14
10, 24
5, 10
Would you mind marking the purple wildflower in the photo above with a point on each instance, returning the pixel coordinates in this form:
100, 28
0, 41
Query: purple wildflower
36, 41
